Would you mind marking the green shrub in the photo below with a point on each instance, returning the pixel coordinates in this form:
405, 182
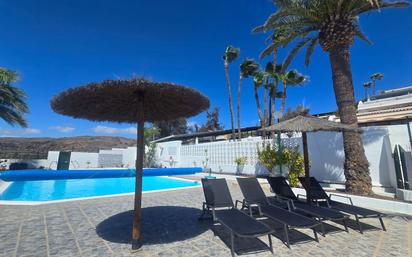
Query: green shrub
240, 161
149, 160
269, 156
295, 165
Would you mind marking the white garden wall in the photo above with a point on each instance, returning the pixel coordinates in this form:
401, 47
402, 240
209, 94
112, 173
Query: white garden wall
325, 150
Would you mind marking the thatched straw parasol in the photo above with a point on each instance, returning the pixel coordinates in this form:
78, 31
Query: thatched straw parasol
306, 124
133, 101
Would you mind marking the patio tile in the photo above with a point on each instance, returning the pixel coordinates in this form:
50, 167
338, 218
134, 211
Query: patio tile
102, 227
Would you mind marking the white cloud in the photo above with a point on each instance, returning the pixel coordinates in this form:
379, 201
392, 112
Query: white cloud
18, 132
63, 129
30, 131
111, 130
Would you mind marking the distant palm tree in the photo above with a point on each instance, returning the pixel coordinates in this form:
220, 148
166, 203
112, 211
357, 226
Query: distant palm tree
333, 24
374, 77
366, 86
279, 38
258, 81
247, 69
271, 86
230, 55
289, 78
12, 99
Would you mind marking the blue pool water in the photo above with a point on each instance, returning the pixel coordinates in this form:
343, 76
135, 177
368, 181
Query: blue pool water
47, 190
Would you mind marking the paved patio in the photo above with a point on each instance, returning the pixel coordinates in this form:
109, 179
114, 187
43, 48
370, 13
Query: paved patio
102, 227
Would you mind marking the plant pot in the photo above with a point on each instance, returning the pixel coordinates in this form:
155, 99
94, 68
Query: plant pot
239, 169
278, 172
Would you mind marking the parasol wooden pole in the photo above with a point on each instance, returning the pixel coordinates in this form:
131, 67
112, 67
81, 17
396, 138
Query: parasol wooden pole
306, 161
136, 241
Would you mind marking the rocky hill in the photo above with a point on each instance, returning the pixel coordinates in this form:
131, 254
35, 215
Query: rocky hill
37, 148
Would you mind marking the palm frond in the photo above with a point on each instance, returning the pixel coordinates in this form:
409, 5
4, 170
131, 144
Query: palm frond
268, 50
310, 49
292, 54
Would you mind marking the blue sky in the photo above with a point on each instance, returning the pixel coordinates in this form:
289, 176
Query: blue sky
55, 45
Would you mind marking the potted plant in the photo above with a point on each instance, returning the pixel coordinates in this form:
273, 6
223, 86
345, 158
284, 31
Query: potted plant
240, 164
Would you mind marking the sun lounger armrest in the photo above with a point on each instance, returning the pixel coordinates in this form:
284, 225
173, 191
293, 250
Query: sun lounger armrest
241, 202
250, 204
342, 196
286, 200
281, 198
300, 195
214, 214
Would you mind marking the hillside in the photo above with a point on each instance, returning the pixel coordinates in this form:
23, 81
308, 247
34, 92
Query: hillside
37, 148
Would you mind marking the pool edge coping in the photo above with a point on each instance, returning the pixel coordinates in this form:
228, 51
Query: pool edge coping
35, 203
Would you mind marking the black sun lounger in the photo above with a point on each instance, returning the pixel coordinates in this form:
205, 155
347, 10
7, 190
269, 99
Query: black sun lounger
283, 191
254, 196
220, 203
317, 193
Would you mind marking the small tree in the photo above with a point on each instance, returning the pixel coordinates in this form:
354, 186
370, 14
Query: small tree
212, 123
174, 127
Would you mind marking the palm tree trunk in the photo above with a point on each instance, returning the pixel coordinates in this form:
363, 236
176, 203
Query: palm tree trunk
374, 87
265, 111
239, 88
272, 107
282, 105
229, 95
356, 166
272, 98
262, 120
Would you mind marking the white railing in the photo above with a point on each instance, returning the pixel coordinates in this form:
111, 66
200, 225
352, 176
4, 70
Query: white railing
221, 156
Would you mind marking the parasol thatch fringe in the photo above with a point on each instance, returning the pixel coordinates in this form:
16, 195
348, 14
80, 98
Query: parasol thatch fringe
309, 124
116, 101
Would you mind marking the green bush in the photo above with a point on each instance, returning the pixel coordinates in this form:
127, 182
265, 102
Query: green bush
149, 160
240, 161
295, 165
269, 156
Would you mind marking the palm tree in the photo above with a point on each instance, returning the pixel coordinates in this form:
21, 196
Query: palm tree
366, 86
12, 99
374, 77
230, 55
289, 78
258, 80
333, 24
247, 69
271, 86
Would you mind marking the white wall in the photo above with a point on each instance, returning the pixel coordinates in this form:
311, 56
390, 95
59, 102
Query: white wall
220, 156
325, 150
81, 160
169, 155
129, 157
327, 156
52, 158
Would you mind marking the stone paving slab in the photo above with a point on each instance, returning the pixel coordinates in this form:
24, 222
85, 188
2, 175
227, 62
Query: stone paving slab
102, 227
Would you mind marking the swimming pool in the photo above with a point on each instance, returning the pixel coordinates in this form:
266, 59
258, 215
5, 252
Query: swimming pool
49, 190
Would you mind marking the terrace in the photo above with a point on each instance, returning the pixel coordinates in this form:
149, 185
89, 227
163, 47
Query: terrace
170, 227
